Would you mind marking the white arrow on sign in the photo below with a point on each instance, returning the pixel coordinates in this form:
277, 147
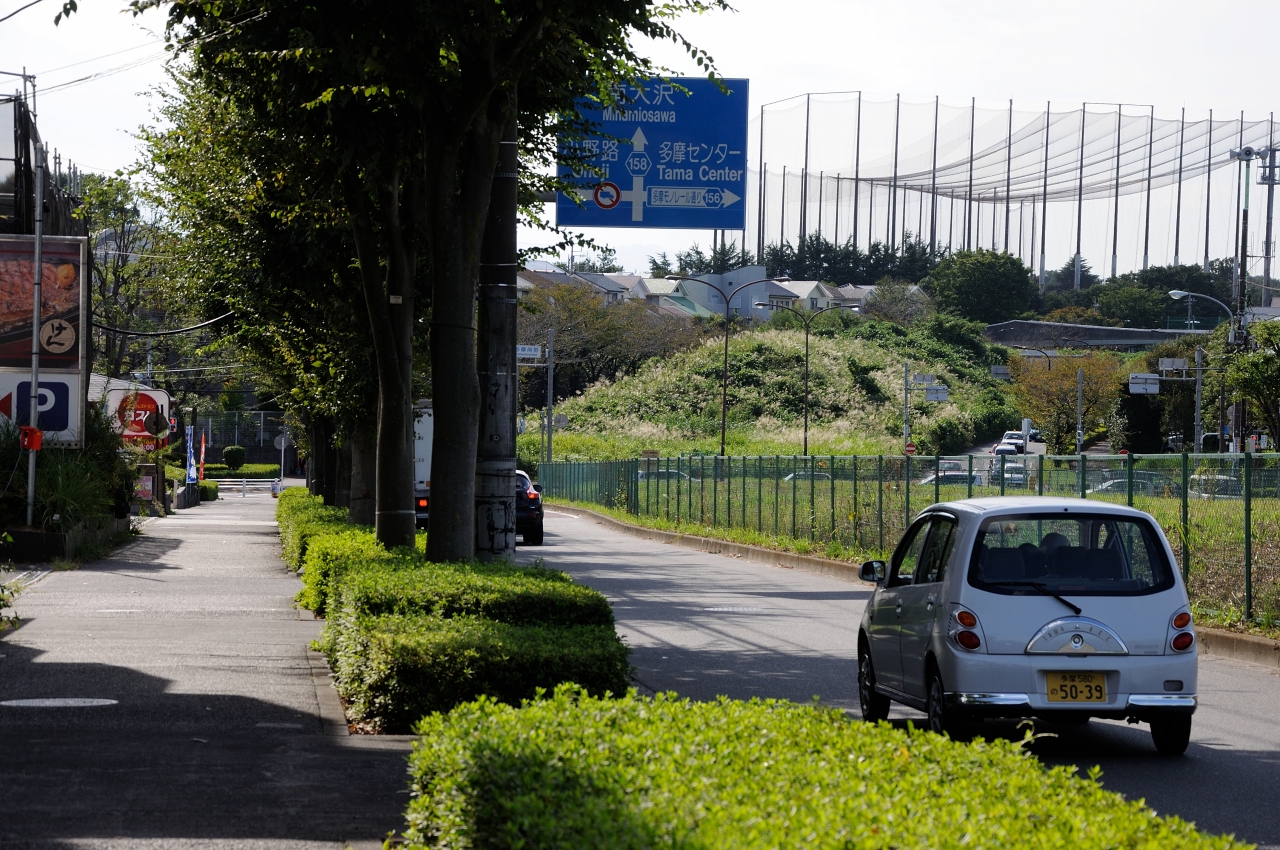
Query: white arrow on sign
698, 197
638, 141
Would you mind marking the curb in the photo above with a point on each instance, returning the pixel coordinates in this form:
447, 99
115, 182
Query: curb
1251, 648
755, 554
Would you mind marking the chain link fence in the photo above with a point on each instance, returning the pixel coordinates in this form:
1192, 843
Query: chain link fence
1221, 512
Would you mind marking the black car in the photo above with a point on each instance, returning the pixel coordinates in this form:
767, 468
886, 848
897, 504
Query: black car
528, 510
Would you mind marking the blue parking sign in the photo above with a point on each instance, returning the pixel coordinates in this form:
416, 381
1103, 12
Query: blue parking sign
673, 154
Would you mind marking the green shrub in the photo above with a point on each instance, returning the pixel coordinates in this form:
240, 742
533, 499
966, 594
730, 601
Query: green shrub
301, 515
233, 457
208, 491
572, 771
329, 554
394, 669
248, 470
530, 596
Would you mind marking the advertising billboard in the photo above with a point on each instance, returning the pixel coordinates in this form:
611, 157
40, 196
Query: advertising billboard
64, 311
141, 414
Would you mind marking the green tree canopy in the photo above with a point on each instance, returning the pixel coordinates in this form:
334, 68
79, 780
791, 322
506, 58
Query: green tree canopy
982, 286
1132, 305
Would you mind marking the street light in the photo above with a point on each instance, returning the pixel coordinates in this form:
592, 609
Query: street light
1178, 294
807, 322
724, 375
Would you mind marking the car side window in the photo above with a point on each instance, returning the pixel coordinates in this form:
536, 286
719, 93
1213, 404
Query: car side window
907, 557
937, 551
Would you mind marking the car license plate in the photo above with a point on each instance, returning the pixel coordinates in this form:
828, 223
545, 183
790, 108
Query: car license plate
1077, 687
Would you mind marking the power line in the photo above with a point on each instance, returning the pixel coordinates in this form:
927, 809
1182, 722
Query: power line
161, 333
19, 9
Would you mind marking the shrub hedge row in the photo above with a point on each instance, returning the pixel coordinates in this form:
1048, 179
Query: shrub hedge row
573, 771
406, 637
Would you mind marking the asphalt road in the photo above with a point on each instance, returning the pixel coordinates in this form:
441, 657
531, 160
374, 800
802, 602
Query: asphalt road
705, 625
217, 736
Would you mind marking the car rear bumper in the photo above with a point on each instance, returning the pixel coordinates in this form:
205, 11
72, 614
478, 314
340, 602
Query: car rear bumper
1140, 706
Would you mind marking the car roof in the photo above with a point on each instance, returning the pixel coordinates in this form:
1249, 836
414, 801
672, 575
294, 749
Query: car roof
1003, 505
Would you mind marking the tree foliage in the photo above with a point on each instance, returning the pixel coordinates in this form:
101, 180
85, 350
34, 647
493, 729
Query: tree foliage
898, 301
982, 286
817, 258
1254, 375
1045, 390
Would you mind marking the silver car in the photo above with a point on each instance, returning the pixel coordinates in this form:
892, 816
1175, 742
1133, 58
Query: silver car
1015, 607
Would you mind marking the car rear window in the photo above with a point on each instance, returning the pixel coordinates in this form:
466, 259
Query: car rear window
1080, 555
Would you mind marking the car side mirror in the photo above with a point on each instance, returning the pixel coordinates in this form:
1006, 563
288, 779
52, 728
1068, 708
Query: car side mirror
538, 487
873, 571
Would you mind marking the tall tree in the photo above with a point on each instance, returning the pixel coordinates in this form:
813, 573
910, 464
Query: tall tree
408, 147
1046, 390
982, 286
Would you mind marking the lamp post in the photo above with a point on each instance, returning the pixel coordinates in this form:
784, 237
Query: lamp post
724, 375
807, 322
1177, 294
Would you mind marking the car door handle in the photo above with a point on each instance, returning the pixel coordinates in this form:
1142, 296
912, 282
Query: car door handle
930, 602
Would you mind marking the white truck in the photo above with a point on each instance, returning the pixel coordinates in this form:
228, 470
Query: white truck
423, 430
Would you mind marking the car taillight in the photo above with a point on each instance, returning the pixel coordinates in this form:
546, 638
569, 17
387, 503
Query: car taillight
422, 503
533, 495
966, 619
968, 640
1182, 641
1182, 620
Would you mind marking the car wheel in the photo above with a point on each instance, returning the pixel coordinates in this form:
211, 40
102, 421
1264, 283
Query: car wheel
533, 537
1171, 734
941, 720
875, 707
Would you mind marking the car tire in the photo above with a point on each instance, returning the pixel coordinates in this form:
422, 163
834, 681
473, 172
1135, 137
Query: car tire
533, 537
941, 720
875, 707
1171, 733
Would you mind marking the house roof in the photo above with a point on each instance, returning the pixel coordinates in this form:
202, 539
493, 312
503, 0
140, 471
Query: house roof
603, 282
660, 285
688, 305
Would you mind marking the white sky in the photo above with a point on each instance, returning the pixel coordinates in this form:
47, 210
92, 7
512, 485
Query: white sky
1171, 53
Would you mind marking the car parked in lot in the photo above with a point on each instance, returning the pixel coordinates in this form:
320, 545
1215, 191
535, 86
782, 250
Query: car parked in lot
1214, 487
1006, 449
953, 477
1018, 607
1015, 438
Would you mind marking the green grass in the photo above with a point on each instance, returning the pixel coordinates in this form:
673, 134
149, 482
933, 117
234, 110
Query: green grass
572, 771
855, 397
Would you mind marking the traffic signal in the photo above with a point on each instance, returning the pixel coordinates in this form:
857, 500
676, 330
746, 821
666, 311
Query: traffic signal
173, 424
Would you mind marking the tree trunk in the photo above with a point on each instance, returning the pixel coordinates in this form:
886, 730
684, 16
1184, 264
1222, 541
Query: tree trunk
459, 203
496, 444
364, 459
389, 301
343, 489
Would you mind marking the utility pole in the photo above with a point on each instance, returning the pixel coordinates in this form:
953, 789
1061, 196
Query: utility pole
34, 409
551, 384
1199, 426
495, 530
1080, 411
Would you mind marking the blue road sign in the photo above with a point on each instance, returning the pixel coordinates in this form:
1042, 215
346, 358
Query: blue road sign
666, 158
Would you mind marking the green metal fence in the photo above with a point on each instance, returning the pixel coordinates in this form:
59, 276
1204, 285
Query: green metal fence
1221, 512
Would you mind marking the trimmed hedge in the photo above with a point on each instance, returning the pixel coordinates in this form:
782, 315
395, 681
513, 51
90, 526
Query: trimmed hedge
394, 669
574, 771
514, 596
406, 637
233, 456
301, 515
208, 491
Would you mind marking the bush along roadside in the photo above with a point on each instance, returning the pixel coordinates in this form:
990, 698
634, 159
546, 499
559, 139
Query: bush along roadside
575, 771
406, 637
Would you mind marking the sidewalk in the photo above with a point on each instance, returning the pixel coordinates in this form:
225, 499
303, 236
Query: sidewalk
223, 731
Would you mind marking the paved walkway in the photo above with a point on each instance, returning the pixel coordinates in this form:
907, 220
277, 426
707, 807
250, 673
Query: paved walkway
223, 731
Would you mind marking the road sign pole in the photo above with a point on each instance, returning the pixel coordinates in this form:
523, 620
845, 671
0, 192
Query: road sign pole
34, 409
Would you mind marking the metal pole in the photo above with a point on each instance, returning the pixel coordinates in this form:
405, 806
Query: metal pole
968, 196
893, 195
838, 181
1177, 227
857, 170
782, 215
760, 194
724, 377
806, 385
1208, 186
551, 387
906, 405
1080, 410
1237, 274
1146, 232
804, 179
1271, 197
1044, 194
821, 182
933, 184
1008, 178
1084, 114
1198, 430
33, 411
1115, 227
